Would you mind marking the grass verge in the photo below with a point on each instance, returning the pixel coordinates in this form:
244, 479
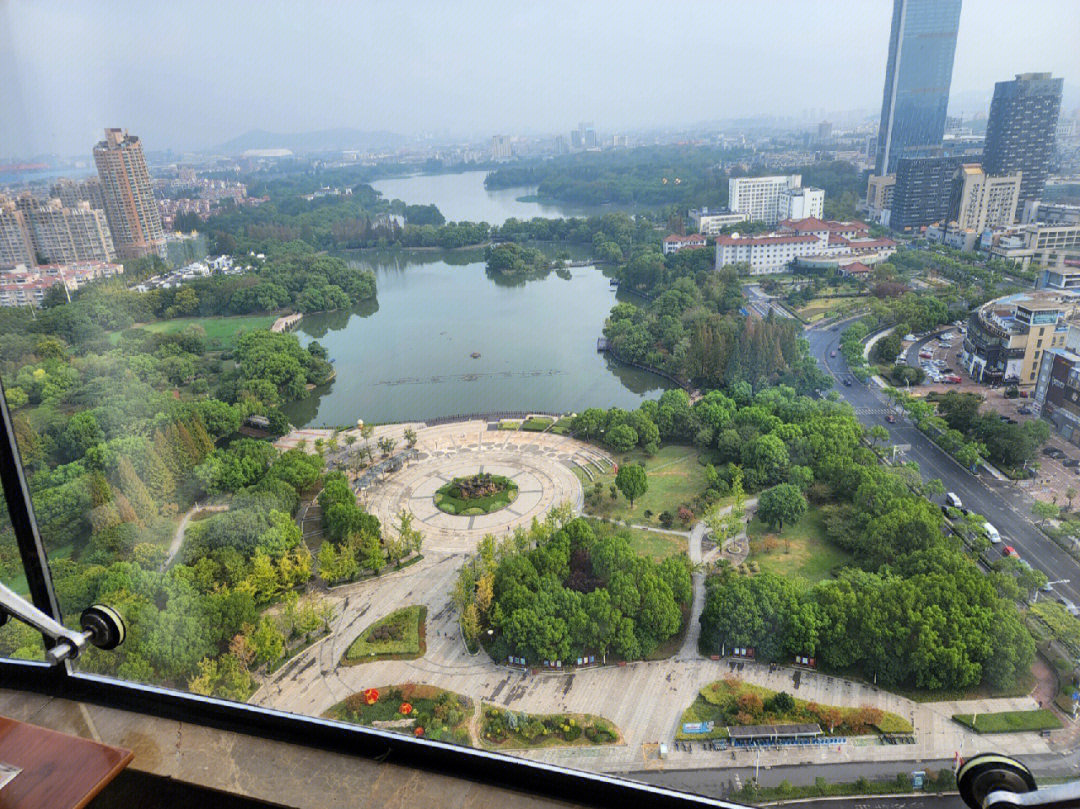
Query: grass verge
1009, 721
401, 635
799, 551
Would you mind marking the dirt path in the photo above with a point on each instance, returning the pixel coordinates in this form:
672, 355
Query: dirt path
474, 725
178, 537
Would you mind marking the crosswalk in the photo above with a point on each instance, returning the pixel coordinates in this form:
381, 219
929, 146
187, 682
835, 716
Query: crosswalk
873, 411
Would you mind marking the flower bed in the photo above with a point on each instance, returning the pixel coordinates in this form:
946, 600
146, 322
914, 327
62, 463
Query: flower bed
730, 702
503, 729
415, 710
399, 636
476, 494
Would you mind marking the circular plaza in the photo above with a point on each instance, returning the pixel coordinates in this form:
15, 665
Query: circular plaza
540, 464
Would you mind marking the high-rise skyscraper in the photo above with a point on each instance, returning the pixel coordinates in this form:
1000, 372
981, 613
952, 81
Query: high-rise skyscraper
129, 199
1021, 128
16, 246
917, 76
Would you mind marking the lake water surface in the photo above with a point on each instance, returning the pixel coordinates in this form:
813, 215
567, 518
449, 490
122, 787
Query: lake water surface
463, 198
408, 356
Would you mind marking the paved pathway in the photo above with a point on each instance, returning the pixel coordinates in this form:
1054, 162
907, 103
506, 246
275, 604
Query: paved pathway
644, 699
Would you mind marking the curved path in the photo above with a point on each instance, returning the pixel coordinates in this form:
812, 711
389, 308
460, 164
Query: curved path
540, 463
178, 537
644, 699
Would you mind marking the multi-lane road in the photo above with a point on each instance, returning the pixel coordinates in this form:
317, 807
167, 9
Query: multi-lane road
1002, 503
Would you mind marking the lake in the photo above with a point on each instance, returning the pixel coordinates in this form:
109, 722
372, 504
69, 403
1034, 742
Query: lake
463, 198
408, 355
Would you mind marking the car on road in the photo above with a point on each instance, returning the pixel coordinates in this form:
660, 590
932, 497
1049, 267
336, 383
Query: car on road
926, 355
953, 500
891, 418
1024, 410
1070, 462
1070, 608
1052, 452
847, 381
1048, 587
992, 533
1009, 550
951, 379
832, 353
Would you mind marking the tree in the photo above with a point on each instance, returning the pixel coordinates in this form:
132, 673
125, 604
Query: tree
1044, 511
386, 445
632, 481
1070, 494
622, 438
410, 436
780, 504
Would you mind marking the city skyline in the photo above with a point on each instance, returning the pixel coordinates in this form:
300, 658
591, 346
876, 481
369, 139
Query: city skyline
417, 70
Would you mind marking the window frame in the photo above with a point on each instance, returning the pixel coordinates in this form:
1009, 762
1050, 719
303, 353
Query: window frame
576, 787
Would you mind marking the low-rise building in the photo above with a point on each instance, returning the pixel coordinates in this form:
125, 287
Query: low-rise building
710, 222
1044, 245
952, 235
1057, 392
25, 286
674, 243
1007, 337
820, 242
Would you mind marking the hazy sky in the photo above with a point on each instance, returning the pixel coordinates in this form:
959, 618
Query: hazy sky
193, 74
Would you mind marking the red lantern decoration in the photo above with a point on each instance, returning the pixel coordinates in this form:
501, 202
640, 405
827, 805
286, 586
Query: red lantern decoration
419, 732
405, 709
371, 696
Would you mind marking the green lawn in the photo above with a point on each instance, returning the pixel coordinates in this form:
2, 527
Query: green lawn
224, 329
646, 543
1009, 721
675, 478
799, 551
398, 636
537, 425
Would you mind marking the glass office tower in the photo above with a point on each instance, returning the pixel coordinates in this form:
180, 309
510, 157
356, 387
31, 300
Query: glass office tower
921, 49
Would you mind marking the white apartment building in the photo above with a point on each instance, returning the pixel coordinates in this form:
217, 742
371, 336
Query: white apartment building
762, 198
802, 203
674, 243
986, 200
710, 223
809, 239
765, 254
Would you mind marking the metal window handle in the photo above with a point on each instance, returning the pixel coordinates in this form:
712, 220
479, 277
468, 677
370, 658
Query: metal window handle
991, 781
101, 626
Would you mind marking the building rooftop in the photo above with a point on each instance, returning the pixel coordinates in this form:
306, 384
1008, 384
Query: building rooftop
777, 238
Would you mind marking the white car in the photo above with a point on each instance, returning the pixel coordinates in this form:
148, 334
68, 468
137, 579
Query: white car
992, 533
952, 500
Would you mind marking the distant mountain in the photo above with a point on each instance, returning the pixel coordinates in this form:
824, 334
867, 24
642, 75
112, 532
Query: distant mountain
323, 140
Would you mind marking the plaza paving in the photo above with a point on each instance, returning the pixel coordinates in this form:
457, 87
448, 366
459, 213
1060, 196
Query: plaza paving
645, 699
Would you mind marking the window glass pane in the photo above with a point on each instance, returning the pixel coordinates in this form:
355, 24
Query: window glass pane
16, 639
413, 400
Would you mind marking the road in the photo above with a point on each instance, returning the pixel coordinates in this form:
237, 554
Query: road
1004, 505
